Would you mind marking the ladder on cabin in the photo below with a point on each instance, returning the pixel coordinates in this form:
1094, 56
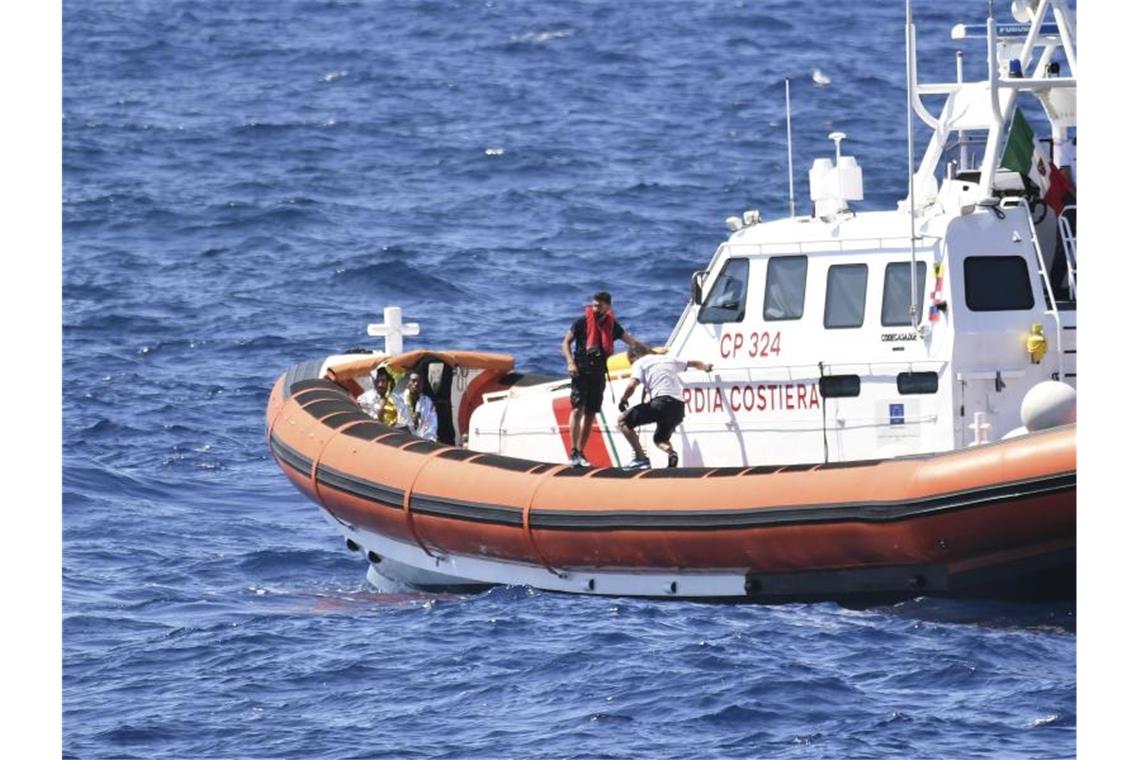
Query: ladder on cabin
1065, 322
1069, 244
1068, 348
1069, 330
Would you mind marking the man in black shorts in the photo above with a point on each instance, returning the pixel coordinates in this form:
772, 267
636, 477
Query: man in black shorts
661, 376
593, 335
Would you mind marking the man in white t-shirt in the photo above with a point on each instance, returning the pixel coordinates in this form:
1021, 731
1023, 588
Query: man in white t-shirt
661, 376
415, 410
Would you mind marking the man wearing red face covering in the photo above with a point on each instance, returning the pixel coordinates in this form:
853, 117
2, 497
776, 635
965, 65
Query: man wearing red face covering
593, 336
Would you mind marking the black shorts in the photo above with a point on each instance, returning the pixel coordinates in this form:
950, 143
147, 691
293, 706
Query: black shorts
666, 411
587, 391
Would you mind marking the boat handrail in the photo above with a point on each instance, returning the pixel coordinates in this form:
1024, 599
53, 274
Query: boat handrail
1069, 244
1051, 306
913, 91
694, 424
863, 369
1050, 34
839, 245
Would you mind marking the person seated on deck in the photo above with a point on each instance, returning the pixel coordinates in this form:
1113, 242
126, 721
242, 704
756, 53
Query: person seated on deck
378, 402
415, 410
661, 376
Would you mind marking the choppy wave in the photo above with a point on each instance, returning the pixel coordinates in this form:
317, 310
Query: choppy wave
391, 277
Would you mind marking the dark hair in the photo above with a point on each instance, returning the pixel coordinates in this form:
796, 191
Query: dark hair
604, 297
636, 351
382, 371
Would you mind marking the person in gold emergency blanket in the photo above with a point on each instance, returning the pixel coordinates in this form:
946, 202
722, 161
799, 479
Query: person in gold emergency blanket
378, 402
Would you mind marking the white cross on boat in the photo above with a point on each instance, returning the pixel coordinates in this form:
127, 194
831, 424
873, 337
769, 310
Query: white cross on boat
393, 329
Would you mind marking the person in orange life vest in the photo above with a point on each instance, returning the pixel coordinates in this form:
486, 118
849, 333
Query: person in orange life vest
661, 376
593, 335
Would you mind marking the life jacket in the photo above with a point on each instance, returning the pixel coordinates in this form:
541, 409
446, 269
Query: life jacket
600, 332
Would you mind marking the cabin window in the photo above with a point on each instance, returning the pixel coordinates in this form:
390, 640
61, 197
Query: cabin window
725, 303
846, 295
911, 383
784, 289
998, 283
897, 293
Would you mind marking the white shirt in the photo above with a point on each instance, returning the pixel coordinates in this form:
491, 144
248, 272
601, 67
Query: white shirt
428, 420
660, 375
373, 405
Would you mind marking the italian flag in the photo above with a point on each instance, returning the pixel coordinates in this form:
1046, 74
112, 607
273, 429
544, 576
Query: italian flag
1023, 156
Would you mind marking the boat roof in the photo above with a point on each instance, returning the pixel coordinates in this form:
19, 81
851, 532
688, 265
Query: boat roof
865, 230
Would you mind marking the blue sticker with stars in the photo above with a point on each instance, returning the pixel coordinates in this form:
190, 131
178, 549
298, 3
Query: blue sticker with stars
897, 415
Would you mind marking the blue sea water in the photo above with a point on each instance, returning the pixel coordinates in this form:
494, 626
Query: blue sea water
247, 184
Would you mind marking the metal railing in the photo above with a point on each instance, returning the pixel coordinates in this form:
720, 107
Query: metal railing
1043, 272
1069, 244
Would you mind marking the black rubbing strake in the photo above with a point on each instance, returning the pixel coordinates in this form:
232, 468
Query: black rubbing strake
763, 469
342, 418
396, 439
616, 472
726, 472
422, 447
317, 394
714, 519
367, 430
573, 472
464, 510
845, 465
365, 489
324, 408
289, 456
677, 472
306, 378
505, 463
708, 519
460, 455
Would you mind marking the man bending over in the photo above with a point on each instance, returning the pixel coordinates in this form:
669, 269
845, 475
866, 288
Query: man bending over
661, 377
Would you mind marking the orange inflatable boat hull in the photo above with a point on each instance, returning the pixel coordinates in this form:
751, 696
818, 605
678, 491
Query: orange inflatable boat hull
998, 519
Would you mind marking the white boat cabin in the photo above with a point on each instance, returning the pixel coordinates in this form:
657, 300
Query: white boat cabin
823, 349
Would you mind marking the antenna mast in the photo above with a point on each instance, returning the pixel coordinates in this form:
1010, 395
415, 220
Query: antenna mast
914, 317
788, 116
